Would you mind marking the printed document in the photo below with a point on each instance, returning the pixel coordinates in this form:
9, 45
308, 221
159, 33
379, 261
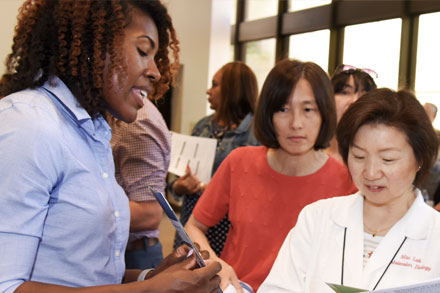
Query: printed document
196, 152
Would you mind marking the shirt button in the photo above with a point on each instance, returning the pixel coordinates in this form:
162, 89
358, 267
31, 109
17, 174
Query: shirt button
116, 214
104, 175
117, 252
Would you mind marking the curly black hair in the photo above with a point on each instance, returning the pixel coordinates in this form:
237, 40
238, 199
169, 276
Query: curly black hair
70, 39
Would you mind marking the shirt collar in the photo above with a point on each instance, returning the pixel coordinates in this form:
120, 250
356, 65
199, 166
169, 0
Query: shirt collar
70, 104
65, 96
351, 215
414, 224
245, 124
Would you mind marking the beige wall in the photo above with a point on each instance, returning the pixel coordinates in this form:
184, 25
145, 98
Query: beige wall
204, 40
8, 17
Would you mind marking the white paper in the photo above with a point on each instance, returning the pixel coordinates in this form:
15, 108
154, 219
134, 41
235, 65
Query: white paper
197, 152
432, 286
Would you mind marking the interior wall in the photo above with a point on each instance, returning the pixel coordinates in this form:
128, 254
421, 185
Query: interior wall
203, 28
8, 16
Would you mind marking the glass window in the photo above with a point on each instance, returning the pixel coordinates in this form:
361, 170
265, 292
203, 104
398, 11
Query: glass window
375, 45
312, 46
256, 9
231, 52
295, 5
427, 85
260, 57
233, 11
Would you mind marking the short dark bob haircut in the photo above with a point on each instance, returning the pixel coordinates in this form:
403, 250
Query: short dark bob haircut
400, 110
362, 81
277, 89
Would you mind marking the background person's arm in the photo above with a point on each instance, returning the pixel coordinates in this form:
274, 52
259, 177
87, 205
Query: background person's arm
197, 232
142, 156
145, 215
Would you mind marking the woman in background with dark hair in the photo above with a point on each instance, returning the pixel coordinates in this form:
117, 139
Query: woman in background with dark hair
233, 95
66, 220
349, 84
383, 236
263, 188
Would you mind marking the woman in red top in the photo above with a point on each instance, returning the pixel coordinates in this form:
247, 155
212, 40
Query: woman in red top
263, 188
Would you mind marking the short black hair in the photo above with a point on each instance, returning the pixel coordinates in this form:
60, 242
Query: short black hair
362, 80
276, 91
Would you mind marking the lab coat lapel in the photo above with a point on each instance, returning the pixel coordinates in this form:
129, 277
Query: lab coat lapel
382, 256
408, 226
352, 219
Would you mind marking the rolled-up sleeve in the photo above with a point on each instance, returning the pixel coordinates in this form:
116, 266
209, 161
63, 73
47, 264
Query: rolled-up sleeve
142, 154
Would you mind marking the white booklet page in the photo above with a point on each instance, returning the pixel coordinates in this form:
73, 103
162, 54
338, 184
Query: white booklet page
196, 152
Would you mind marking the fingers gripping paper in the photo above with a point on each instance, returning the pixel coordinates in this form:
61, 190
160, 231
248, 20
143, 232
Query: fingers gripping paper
197, 152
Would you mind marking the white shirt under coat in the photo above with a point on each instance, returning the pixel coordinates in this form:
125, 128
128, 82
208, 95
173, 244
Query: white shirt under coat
311, 254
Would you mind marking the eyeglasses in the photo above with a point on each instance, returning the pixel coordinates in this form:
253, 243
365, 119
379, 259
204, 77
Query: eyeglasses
344, 67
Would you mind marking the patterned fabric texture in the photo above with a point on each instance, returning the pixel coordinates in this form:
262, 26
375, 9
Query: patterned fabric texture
240, 136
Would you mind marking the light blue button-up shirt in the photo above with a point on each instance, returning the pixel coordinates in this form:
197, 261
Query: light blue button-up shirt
63, 217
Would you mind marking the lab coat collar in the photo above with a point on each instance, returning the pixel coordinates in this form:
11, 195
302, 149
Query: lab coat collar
409, 225
351, 216
415, 224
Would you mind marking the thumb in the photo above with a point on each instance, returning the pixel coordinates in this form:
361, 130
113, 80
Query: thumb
187, 172
186, 175
182, 250
236, 283
212, 269
189, 263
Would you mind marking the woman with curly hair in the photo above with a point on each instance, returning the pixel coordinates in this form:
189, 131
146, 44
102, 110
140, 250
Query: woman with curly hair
72, 63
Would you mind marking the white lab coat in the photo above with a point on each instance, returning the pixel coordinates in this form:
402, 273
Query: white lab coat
311, 254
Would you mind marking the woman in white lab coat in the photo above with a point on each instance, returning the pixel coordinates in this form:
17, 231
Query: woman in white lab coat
385, 235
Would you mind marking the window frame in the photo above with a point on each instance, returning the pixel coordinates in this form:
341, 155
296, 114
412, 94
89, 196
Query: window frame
335, 16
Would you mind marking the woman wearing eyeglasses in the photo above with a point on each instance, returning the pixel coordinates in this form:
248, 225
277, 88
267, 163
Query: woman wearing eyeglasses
383, 236
349, 84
